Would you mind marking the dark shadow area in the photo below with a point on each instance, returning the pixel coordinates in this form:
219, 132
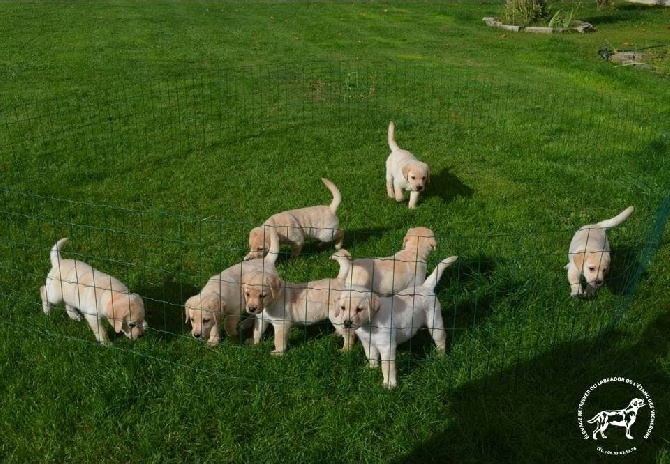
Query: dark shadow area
447, 186
164, 307
623, 13
623, 266
353, 237
529, 412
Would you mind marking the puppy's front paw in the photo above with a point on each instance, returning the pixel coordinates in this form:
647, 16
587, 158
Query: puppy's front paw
212, 343
389, 385
277, 353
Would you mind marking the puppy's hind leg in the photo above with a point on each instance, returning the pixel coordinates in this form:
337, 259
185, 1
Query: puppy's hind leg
389, 184
296, 248
46, 306
51, 294
436, 329
339, 239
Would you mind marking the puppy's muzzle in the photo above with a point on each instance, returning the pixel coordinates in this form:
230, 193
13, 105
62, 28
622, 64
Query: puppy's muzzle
348, 324
254, 309
197, 336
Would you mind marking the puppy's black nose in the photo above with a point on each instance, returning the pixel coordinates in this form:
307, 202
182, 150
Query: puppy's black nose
347, 324
419, 187
252, 309
197, 336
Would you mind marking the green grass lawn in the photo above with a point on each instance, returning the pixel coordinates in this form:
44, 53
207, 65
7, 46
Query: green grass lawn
156, 134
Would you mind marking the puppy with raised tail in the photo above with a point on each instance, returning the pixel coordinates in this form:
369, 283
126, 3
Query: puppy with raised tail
589, 255
97, 296
382, 323
297, 225
407, 267
284, 304
221, 298
404, 172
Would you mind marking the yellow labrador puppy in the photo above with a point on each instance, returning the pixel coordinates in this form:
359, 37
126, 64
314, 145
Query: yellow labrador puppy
589, 255
382, 323
97, 296
297, 225
222, 297
284, 304
404, 172
389, 275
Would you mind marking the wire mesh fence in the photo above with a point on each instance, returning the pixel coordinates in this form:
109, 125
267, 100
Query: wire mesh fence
499, 301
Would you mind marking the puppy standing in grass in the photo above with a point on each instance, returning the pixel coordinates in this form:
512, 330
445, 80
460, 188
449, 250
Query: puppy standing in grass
404, 172
296, 225
382, 323
389, 275
589, 255
85, 290
222, 297
284, 304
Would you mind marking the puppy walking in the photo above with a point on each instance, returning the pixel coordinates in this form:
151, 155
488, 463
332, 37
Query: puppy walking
284, 304
589, 255
388, 275
404, 172
296, 225
621, 417
85, 290
221, 298
382, 323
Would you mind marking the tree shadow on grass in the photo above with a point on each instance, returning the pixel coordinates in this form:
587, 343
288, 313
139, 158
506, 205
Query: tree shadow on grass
164, 307
529, 412
448, 186
624, 13
623, 267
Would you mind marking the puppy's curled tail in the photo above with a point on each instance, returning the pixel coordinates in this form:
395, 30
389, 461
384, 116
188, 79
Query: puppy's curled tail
616, 220
391, 137
271, 258
434, 277
343, 258
54, 255
337, 198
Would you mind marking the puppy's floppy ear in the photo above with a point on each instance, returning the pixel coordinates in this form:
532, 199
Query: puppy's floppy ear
213, 304
189, 303
578, 259
116, 311
275, 285
406, 168
373, 306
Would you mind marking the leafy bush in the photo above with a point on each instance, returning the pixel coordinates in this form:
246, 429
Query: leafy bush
524, 12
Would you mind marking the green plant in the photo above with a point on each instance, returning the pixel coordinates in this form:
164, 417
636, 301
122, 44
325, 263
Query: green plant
605, 4
561, 20
524, 12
